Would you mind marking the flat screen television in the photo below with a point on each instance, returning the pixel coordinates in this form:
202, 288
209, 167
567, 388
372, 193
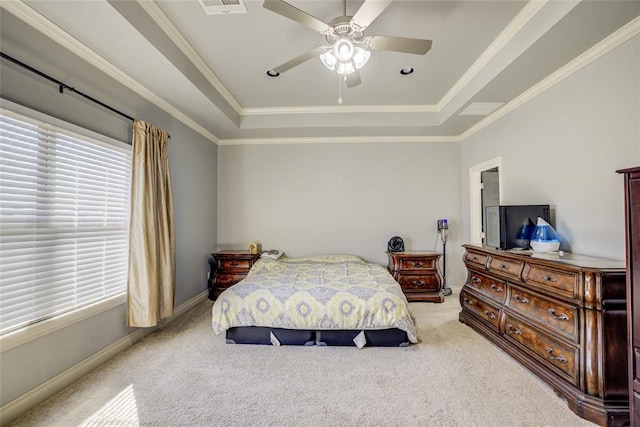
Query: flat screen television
510, 226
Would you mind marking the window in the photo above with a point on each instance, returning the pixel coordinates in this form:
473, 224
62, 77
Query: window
64, 207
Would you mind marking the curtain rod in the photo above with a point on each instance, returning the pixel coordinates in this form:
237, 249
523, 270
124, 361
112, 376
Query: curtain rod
62, 86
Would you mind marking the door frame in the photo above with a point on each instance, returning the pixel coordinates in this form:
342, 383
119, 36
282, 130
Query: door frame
475, 196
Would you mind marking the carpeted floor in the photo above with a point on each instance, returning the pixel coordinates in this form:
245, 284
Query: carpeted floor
185, 375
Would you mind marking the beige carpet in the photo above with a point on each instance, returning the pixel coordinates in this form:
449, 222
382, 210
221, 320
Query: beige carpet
187, 376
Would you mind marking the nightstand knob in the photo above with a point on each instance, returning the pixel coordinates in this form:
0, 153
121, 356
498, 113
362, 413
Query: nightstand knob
234, 263
417, 264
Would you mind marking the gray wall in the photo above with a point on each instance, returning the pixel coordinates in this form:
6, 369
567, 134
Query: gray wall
193, 161
563, 148
309, 199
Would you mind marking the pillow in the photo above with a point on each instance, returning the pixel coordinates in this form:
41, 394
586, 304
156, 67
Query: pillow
273, 254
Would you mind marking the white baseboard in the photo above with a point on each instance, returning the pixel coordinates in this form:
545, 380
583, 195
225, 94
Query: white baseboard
34, 397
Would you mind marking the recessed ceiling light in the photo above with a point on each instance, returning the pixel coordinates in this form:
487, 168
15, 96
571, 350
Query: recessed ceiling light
272, 73
481, 108
405, 71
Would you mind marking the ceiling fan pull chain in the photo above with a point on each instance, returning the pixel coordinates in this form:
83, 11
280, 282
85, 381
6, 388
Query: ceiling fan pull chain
340, 89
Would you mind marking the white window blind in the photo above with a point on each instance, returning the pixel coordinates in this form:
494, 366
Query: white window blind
64, 206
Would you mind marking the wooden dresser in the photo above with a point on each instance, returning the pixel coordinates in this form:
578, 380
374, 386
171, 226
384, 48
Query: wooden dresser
632, 231
228, 268
418, 275
562, 317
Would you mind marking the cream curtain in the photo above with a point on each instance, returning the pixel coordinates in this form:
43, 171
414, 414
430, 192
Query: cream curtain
151, 279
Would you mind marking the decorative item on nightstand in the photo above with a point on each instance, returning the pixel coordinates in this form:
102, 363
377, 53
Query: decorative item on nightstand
253, 248
396, 244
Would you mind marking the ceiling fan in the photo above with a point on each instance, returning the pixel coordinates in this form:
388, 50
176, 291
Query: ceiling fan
348, 49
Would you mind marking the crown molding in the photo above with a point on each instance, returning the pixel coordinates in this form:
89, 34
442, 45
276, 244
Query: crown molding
614, 40
176, 36
33, 18
339, 109
530, 10
341, 140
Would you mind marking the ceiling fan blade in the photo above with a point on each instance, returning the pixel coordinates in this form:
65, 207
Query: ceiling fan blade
353, 79
399, 44
300, 59
288, 11
368, 12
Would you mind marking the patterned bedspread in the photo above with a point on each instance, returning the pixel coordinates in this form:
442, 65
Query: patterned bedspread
315, 293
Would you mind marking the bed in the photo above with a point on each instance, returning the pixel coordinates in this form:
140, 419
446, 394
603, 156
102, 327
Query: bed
320, 300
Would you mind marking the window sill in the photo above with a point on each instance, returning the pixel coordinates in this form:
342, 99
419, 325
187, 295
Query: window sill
37, 330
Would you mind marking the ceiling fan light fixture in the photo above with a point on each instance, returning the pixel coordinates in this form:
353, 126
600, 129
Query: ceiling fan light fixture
360, 57
329, 60
343, 49
345, 68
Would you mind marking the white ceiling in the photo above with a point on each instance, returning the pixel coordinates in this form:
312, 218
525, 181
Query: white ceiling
209, 70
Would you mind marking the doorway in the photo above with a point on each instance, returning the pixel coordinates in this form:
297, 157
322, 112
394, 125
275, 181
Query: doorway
485, 189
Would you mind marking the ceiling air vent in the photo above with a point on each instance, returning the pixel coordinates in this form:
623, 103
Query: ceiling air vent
223, 7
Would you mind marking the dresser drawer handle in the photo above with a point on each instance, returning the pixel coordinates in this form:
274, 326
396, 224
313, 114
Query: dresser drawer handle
512, 330
417, 283
504, 266
417, 264
562, 316
489, 315
234, 263
496, 288
476, 280
549, 279
468, 301
520, 300
560, 358
475, 258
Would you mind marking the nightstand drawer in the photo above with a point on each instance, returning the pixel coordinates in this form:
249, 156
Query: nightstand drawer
226, 280
418, 282
417, 263
235, 263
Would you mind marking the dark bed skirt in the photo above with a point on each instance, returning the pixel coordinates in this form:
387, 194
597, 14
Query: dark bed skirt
262, 335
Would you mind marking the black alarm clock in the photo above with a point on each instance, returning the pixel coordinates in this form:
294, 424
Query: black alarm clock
396, 244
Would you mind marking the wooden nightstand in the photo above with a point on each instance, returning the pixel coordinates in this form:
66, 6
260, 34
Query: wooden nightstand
228, 268
418, 275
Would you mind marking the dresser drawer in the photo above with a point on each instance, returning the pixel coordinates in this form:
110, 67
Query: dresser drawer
418, 282
417, 263
489, 286
484, 310
560, 318
552, 351
552, 280
506, 266
476, 258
